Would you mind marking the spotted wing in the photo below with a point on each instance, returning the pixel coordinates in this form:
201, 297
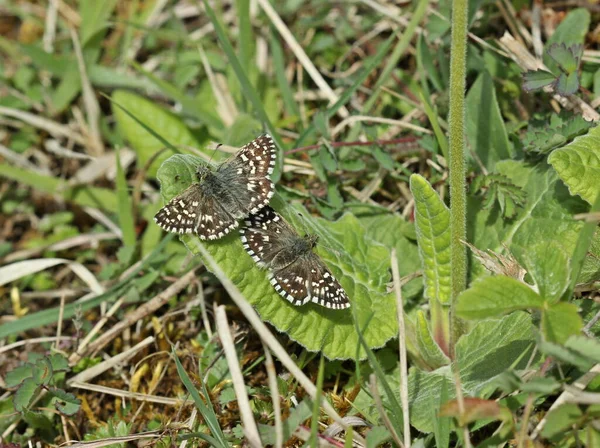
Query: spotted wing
180, 214
248, 174
214, 221
308, 280
264, 235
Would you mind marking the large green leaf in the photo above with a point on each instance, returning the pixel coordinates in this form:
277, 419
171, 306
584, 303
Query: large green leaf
163, 122
546, 216
432, 219
507, 341
485, 127
360, 264
493, 296
560, 321
578, 165
548, 265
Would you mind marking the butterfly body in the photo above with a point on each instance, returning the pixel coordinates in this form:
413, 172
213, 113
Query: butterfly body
295, 271
213, 206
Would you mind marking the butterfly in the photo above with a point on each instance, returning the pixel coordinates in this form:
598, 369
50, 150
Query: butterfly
295, 271
213, 206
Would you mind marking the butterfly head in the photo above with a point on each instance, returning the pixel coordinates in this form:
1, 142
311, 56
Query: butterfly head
202, 171
311, 240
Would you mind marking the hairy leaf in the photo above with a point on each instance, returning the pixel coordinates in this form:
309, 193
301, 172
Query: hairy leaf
578, 165
432, 219
360, 264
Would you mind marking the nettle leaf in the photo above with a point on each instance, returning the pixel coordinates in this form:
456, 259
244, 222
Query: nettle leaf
66, 403
360, 264
432, 219
18, 374
560, 321
25, 394
561, 129
42, 371
493, 296
507, 341
567, 84
568, 58
578, 164
538, 79
548, 265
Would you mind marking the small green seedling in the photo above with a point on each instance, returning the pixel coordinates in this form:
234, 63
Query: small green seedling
33, 377
566, 81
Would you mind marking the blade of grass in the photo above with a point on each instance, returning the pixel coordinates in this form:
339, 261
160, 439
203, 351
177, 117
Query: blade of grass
284, 87
50, 316
245, 38
435, 124
314, 425
345, 97
396, 409
207, 411
247, 88
145, 126
125, 208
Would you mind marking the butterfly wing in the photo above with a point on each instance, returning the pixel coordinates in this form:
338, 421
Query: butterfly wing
248, 174
324, 288
180, 214
214, 221
264, 236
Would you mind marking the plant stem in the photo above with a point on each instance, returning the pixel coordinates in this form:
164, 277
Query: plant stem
456, 121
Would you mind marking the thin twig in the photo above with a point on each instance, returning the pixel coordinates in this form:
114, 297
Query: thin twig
248, 423
402, 348
272, 375
379, 405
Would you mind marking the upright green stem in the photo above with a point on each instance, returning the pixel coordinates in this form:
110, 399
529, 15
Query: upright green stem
456, 121
458, 192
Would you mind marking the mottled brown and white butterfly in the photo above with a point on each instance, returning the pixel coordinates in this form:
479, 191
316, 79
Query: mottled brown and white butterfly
213, 206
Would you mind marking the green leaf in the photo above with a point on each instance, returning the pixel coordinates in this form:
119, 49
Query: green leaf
25, 394
431, 352
486, 132
206, 409
561, 419
66, 403
94, 16
538, 79
360, 264
493, 296
432, 219
588, 347
578, 164
125, 210
59, 363
572, 30
167, 125
391, 230
567, 84
567, 58
566, 355
548, 265
42, 371
16, 376
507, 341
561, 321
